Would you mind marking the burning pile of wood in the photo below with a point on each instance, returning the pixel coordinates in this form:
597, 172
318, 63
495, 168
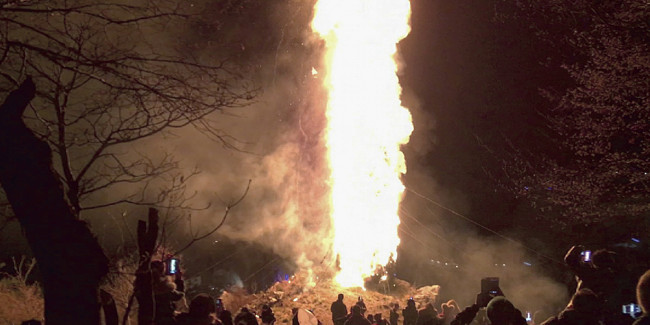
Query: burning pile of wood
311, 292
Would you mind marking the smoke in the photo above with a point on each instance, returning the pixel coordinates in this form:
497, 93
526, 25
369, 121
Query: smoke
523, 284
278, 139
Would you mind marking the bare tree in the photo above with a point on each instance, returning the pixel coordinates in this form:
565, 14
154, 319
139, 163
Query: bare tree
109, 74
71, 261
601, 170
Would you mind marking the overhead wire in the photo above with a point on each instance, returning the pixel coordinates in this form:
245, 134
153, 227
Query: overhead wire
219, 261
407, 214
260, 269
458, 214
427, 246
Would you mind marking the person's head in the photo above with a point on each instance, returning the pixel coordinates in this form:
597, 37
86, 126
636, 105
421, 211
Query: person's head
378, 316
396, 306
371, 317
225, 316
202, 305
356, 310
410, 303
603, 258
266, 307
244, 310
500, 311
585, 301
158, 267
643, 292
31, 322
340, 297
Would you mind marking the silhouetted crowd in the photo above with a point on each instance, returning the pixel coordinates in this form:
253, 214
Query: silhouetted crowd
599, 299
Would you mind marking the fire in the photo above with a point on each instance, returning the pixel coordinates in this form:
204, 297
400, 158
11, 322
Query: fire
366, 127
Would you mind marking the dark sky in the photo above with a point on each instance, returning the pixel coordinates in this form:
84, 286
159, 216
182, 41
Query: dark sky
476, 84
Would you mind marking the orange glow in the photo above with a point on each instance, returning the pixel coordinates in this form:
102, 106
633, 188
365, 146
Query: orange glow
366, 127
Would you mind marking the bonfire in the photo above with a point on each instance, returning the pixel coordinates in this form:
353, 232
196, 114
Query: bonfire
316, 293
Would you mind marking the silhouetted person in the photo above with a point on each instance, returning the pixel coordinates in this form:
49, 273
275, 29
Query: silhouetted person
602, 275
31, 322
394, 315
166, 293
225, 316
410, 313
362, 305
379, 320
245, 317
643, 298
356, 318
339, 311
371, 318
500, 311
584, 308
267, 315
202, 308
428, 315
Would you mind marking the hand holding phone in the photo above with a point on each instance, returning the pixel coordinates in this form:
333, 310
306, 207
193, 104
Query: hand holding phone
489, 289
482, 299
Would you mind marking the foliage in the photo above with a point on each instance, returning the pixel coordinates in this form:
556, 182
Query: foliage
108, 75
600, 169
21, 300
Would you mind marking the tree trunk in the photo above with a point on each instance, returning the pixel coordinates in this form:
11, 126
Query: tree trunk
70, 259
147, 237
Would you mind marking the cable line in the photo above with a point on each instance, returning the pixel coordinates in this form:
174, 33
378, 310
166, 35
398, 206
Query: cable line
480, 225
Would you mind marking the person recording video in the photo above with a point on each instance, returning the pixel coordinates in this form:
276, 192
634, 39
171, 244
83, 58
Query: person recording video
602, 273
166, 291
499, 310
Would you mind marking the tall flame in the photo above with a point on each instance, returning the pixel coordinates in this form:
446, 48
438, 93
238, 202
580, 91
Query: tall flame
366, 127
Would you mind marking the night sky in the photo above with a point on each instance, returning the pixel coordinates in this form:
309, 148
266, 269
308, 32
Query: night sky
477, 83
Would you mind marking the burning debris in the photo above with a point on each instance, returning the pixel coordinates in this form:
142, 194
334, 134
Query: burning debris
317, 292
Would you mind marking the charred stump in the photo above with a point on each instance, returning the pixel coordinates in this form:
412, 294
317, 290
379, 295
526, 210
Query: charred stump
70, 259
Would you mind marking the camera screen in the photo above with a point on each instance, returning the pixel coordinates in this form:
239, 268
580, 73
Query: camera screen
632, 310
173, 266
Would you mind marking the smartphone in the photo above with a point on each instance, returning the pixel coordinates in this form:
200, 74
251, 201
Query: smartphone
172, 266
586, 256
632, 310
490, 285
489, 290
219, 305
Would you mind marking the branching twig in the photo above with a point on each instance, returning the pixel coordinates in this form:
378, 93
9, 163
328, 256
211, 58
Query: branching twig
223, 220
